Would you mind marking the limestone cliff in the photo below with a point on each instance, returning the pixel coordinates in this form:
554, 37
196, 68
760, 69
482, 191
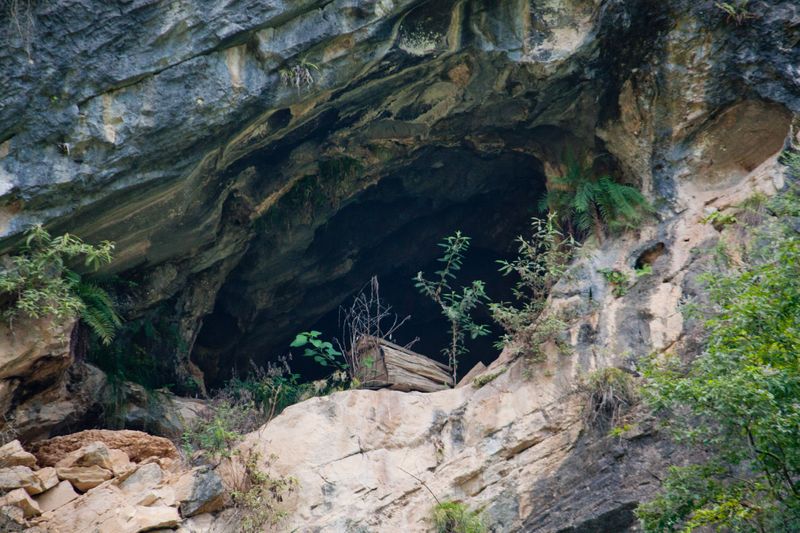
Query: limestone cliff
256, 161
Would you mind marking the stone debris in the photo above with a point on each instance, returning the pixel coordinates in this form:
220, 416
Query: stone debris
16, 477
12, 454
136, 444
96, 487
20, 498
58, 496
201, 492
84, 478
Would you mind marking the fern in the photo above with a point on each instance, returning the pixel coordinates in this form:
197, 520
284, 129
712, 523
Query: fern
585, 202
98, 311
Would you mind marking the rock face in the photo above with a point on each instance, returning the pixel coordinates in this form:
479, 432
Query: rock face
219, 196
246, 200
519, 447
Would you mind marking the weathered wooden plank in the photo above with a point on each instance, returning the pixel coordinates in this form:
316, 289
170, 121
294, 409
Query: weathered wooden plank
399, 368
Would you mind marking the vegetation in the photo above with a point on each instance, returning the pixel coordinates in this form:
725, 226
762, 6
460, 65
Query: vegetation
719, 220
457, 307
321, 351
738, 402
480, 381
618, 281
39, 282
452, 517
737, 11
541, 261
609, 392
256, 497
585, 202
299, 76
368, 316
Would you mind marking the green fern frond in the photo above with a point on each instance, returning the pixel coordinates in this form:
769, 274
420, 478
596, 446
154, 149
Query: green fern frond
98, 310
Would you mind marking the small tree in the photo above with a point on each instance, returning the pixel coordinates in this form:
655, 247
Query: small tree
457, 307
738, 402
542, 260
39, 282
585, 202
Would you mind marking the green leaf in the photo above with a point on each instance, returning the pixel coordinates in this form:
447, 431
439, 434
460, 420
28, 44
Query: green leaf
299, 341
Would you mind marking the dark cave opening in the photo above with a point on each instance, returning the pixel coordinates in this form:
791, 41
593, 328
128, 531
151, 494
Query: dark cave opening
390, 230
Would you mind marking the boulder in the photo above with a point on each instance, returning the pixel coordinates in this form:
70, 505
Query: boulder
98, 453
145, 477
12, 519
84, 478
60, 495
12, 454
48, 477
16, 477
200, 491
149, 518
20, 498
136, 444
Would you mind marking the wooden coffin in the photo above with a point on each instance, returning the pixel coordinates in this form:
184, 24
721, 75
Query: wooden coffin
383, 364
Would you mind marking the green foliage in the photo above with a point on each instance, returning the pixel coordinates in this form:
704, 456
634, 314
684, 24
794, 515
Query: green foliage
452, 517
618, 280
39, 282
98, 311
619, 431
256, 497
737, 11
738, 402
719, 220
541, 261
456, 306
480, 381
321, 351
215, 436
584, 201
146, 351
609, 392
646, 270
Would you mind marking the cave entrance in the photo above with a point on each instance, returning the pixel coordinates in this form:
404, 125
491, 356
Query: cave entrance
390, 230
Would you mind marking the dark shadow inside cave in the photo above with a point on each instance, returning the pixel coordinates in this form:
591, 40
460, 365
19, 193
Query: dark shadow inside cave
390, 229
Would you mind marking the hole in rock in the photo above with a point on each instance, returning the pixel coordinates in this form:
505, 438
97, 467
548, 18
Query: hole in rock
299, 271
649, 255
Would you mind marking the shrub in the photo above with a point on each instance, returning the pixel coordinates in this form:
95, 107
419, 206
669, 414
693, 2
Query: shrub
618, 281
39, 282
585, 202
541, 261
738, 402
456, 306
298, 76
367, 316
737, 11
321, 351
256, 497
452, 517
609, 392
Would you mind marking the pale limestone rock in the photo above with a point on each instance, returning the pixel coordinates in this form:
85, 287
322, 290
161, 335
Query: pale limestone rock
12, 454
147, 518
199, 491
84, 478
16, 477
20, 498
145, 477
48, 477
98, 453
58, 496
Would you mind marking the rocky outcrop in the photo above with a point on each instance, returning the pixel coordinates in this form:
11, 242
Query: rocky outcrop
113, 493
228, 201
256, 161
